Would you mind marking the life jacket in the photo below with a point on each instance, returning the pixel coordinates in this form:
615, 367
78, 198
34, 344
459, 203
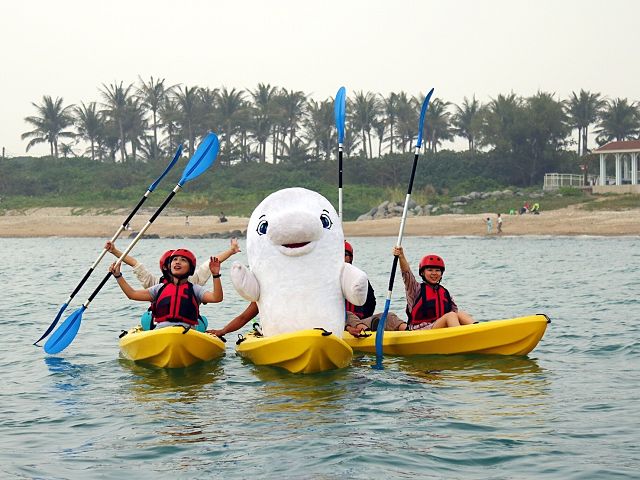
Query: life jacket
366, 310
176, 303
432, 303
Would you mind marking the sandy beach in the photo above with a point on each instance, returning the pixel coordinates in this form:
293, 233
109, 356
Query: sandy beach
62, 222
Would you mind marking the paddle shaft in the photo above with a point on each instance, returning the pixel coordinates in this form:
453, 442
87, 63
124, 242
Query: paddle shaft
340, 180
133, 243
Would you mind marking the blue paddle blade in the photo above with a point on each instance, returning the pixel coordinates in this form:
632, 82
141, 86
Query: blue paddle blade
53, 324
65, 334
176, 157
340, 107
201, 160
423, 112
380, 334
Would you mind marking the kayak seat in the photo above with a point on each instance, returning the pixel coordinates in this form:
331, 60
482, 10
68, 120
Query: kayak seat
146, 322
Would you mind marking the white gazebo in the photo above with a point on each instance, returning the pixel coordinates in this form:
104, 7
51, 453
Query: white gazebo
626, 155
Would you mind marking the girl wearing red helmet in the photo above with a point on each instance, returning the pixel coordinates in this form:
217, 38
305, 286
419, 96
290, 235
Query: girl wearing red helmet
429, 304
176, 302
148, 279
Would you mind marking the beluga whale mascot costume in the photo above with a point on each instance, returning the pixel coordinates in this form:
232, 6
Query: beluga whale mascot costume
297, 273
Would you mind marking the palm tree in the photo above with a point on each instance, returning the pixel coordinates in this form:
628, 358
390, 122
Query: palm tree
390, 110
263, 109
320, 127
407, 120
619, 120
293, 108
49, 124
117, 105
135, 125
500, 122
153, 95
187, 103
89, 124
583, 110
169, 115
229, 105
467, 121
366, 109
437, 124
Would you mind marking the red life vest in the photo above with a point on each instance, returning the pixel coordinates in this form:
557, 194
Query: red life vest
176, 303
432, 303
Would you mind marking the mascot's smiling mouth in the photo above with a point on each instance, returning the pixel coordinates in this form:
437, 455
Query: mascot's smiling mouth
295, 245
296, 249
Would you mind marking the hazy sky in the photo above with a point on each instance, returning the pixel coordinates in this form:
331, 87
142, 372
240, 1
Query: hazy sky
69, 48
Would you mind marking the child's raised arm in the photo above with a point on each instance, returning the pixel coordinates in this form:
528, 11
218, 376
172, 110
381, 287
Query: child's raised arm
140, 295
215, 295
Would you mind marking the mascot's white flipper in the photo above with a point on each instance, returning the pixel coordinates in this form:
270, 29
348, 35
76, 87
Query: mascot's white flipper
295, 248
245, 282
355, 284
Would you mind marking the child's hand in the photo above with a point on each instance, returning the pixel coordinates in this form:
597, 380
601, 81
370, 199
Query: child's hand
214, 265
235, 248
217, 333
115, 269
111, 248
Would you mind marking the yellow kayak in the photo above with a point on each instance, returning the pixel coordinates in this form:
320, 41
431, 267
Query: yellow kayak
170, 347
305, 351
515, 336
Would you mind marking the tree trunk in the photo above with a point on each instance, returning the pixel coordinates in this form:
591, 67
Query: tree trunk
123, 151
155, 136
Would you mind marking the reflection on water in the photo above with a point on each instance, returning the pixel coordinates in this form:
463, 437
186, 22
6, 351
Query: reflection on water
171, 385
284, 391
472, 368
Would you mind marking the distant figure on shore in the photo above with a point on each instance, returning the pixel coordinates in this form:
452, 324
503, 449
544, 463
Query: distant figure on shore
535, 209
489, 225
499, 224
222, 217
186, 220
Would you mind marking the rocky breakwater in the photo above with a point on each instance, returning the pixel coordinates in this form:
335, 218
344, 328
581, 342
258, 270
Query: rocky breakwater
456, 205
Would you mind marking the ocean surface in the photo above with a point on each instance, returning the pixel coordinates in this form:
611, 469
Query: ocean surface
569, 410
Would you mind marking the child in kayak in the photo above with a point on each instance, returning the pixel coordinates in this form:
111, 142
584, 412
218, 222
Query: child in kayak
429, 304
147, 279
176, 302
362, 318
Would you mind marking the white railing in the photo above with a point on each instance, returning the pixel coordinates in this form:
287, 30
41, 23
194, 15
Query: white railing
553, 181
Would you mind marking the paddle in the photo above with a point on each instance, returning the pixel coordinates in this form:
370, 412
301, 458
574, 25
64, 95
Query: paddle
387, 303
151, 188
201, 160
339, 106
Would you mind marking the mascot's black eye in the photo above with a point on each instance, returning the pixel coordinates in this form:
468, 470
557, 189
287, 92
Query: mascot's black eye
262, 227
326, 221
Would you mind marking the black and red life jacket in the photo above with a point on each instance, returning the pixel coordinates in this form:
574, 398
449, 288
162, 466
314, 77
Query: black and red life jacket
176, 303
366, 310
432, 303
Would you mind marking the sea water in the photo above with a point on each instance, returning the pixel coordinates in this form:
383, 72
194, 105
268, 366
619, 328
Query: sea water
567, 410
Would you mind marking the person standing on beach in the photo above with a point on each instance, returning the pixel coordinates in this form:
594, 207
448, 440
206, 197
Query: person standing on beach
489, 225
499, 224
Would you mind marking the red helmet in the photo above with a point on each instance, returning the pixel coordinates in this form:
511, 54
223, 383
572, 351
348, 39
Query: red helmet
163, 260
348, 248
431, 260
183, 252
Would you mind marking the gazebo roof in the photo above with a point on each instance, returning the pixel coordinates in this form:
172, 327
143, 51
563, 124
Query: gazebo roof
625, 146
